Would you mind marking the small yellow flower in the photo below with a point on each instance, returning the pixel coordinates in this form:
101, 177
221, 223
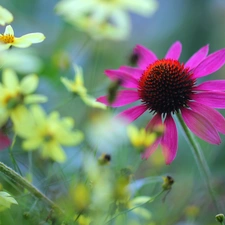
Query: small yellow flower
140, 138
104, 18
77, 86
8, 39
5, 16
47, 133
15, 95
6, 200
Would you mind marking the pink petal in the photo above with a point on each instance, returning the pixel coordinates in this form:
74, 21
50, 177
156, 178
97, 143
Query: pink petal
214, 99
216, 119
133, 113
127, 80
5, 142
151, 149
174, 51
200, 126
123, 97
210, 65
145, 56
211, 85
197, 57
134, 72
156, 120
169, 140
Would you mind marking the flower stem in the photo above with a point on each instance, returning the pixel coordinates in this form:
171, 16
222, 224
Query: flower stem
200, 160
15, 177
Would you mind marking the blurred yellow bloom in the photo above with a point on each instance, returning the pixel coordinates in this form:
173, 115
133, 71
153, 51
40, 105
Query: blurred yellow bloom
77, 86
141, 138
6, 200
104, 18
8, 39
47, 133
15, 94
84, 220
80, 195
5, 16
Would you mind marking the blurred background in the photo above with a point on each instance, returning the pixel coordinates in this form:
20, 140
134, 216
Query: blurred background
195, 23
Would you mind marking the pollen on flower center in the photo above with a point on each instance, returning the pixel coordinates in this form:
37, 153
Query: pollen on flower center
166, 86
7, 38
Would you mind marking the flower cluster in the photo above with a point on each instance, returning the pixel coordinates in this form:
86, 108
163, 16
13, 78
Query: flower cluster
104, 18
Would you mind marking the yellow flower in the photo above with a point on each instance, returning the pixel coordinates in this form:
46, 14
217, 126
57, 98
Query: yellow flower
104, 18
140, 138
8, 39
15, 94
6, 200
47, 133
77, 86
5, 16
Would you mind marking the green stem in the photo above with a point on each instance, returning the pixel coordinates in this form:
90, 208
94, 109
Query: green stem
15, 177
137, 206
200, 160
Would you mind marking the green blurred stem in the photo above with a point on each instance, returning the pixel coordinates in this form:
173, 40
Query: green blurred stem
200, 160
137, 206
15, 177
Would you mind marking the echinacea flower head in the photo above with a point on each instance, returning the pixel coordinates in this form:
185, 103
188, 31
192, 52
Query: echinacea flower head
48, 133
16, 94
8, 39
104, 18
166, 87
5, 16
77, 87
6, 200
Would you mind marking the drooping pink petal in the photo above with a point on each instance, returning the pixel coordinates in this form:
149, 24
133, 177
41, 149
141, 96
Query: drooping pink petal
211, 85
215, 118
134, 72
197, 57
5, 142
169, 140
156, 120
145, 56
200, 126
132, 114
123, 97
174, 51
151, 149
127, 81
210, 65
214, 99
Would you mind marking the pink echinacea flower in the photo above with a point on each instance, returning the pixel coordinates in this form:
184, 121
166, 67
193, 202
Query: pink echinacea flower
166, 87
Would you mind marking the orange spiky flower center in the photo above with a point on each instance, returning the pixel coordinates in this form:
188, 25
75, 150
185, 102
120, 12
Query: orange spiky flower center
7, 38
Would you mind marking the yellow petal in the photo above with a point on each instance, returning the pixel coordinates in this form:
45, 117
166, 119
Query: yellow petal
32, 143
28, 39
90, 101
54, 151
70, 138
38, 113
9, 30
4, 46
35, 98
29, 84
10, 79
5, 16
4, 115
